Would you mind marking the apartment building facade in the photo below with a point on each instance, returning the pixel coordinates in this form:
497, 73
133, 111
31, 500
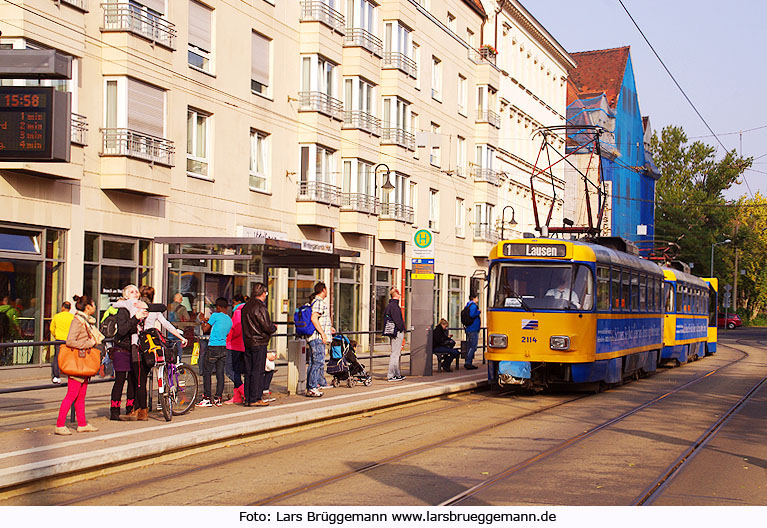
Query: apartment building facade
347, 124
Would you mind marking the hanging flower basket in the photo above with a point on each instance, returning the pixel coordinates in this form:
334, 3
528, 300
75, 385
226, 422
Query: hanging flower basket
486, 50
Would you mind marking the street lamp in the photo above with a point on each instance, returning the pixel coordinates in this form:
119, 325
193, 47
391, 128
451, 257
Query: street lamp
712, 253
386, 186
512, 222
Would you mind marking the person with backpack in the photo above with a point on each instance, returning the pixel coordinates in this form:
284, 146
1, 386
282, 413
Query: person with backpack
394, 328
257, 330
60, 324
82, 335
218, 324
315, 378
124, 348
470, 319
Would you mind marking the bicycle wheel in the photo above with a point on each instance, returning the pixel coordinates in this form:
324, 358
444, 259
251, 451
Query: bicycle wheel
166, 397
184, 387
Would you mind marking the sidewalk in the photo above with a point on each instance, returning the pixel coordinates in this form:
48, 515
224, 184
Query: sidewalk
30, 451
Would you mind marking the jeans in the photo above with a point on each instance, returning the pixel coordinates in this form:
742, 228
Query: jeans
316, 375
254, 361
233, 367
396, 350
201, 361
55, 372
472, 338
215, 357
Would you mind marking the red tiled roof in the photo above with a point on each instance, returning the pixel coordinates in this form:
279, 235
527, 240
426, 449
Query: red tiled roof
477, 6
600, 71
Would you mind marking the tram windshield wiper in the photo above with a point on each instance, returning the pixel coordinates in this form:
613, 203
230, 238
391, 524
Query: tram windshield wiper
521, 300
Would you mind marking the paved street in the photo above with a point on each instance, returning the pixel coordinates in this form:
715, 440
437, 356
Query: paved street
482, 448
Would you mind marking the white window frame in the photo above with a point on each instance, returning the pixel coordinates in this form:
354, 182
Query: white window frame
451, 22
206, 56
462, 95
460, 218
483, 214
363, 95
267, 89
362, 14
402, 113
400, 194
460, 161
436, 141
434, 210
319, 80
485, 156
206, 160
398, 38
258, 169
358, 177
436, 79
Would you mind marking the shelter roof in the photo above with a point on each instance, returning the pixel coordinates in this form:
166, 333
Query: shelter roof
600, 71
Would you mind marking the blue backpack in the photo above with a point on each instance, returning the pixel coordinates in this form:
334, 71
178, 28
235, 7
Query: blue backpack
302, 318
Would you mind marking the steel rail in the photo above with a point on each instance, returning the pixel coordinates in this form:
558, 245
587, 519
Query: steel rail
457, 499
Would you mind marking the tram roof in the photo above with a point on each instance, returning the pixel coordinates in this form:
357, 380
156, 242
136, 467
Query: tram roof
675, 274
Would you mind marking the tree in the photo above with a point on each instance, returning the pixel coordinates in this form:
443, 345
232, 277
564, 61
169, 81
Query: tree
690, 206
751, 242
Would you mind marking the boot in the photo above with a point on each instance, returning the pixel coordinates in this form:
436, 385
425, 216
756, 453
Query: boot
236, 396
114, 410
143, 415
130, 417
129, 406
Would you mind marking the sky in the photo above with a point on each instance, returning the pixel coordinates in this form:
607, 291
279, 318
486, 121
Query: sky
715, 50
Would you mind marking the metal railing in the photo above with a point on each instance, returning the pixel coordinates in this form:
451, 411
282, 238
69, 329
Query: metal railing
401, 62
364, 39
320, 192
80, 4
487, 175
316, 11
488, 116
126, 142
481, 56
485, 233
320, 102
362, 121
79, 129
395, 211
397, 136
126, 17
360, 203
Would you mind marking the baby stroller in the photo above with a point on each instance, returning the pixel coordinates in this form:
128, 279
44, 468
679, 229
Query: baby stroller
343, 364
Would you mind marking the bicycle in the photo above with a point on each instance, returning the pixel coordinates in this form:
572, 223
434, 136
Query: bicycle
177, 387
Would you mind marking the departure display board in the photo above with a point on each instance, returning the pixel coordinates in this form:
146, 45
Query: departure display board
534, 250
34, 124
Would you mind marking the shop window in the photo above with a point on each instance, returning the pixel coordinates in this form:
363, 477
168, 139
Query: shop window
455, 300
346, 298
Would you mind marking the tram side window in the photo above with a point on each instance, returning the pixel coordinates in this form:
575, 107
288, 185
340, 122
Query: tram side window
711, 307
643, 293
659, 295
583, 287
651, 295
616, 289
603, 288
668, 288
626, 287
679, 298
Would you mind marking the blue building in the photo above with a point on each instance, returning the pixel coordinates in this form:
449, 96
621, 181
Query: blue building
603, 92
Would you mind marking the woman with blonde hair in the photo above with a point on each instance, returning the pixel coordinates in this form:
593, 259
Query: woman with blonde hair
83, 335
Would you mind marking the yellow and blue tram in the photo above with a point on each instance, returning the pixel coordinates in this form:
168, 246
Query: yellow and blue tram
685, 329
562, 311
713, 314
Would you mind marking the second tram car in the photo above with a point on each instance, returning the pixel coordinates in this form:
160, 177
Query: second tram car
686, 325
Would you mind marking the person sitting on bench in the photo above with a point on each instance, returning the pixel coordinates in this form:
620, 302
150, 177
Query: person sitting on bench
444, 345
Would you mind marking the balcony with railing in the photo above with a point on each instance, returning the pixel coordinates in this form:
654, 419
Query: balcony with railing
319, 192
394, 60
481, 56
360, 203
397, 136
132, 144
490, 117
485, 233
317, 11
357, 119
396, 211
127, 17
79, 131
487, 175
358, 37
82, 5
320, 102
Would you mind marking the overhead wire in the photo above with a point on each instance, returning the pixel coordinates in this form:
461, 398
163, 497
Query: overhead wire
680, 87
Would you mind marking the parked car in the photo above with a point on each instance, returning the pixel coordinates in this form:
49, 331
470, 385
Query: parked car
733, 321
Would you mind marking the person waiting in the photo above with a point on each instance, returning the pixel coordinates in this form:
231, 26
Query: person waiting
444, 344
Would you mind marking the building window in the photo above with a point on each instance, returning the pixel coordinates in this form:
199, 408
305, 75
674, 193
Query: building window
200, 38
436, 141
460, 163
346, 298
197, 143
358, 177
434, 209
460, 218
451, 22
260, 62
483, 222
259, 161
31, 289
436, 79
470, 39
318, 181
437, 298
455, 298
462, 93
416, 55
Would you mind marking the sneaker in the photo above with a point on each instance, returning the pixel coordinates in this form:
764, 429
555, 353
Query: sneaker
56, 381
267, 392
397, 378
470, 367
313, 393
205, 402
269, 400
63, 431
217, 402
87, 428
326, 387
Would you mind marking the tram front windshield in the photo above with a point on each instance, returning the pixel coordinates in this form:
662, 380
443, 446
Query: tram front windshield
541, 286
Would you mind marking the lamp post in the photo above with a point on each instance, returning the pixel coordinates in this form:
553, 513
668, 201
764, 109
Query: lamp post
712, 253
387, 186
512, 222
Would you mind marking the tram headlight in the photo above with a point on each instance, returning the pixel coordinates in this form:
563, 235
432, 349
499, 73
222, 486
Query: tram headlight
559, 343
498, 341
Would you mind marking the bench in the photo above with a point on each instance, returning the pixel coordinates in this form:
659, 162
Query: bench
455, 353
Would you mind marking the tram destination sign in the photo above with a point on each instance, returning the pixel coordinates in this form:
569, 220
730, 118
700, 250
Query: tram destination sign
35, 124
534, 250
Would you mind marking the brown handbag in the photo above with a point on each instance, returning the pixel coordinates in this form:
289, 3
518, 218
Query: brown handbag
76, 362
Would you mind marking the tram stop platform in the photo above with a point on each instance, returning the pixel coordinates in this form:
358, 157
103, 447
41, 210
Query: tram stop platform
30, 452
